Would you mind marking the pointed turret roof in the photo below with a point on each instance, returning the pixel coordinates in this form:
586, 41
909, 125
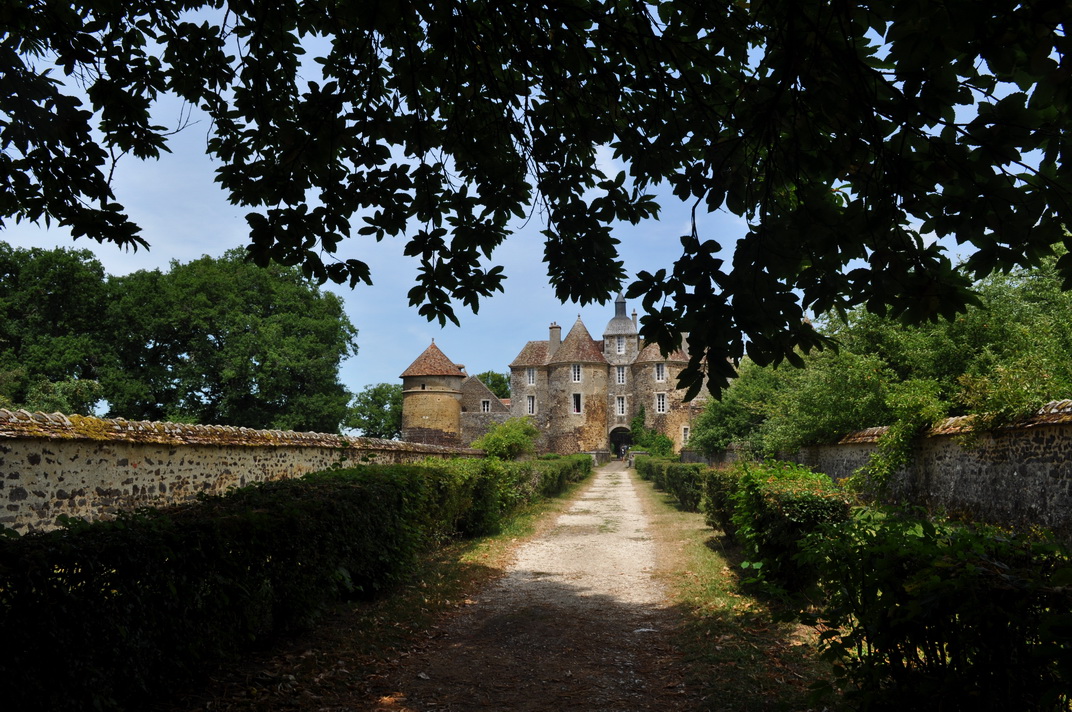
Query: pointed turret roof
432, 363
620, 324
578, 346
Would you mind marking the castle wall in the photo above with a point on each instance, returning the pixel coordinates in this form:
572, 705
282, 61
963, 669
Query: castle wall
1012, 476
570, 432
520, 390
89, 468
431, 410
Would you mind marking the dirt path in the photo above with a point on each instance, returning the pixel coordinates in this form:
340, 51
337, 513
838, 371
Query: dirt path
577, 622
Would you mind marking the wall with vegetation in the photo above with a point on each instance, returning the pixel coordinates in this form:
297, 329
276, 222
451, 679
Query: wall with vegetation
84, 467
1020, 474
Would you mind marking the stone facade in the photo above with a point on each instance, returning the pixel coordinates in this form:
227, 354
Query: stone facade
582, 393
1015, 475
442, 405
480, 409
87, 468
432, 399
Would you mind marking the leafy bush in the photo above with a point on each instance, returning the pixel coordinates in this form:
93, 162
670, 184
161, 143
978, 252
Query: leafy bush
111, 615
683, 482
775, 505
719, 490
650, 441
509, 440
963, 618
653, 469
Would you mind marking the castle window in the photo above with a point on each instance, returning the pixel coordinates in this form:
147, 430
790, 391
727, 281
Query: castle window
621, 375
485, 406
576, 370
530, 376
576, 402
620, 340
621, 405
660, 402
660, 372
530, 405
685, 435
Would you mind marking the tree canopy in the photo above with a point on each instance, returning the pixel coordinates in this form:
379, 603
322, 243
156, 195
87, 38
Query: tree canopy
999, 361
216, 340
847, 136
377, 411
497, 383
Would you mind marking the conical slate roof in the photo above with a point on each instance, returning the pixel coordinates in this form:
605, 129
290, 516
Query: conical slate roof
432, 363
578, 347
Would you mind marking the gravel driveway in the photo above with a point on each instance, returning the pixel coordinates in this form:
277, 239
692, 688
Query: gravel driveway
577, 623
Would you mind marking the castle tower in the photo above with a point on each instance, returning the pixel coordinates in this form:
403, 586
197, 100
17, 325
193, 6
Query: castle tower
432, 399
576, 394
621, 345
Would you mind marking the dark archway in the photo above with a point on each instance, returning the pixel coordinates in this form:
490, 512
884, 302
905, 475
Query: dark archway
620, 438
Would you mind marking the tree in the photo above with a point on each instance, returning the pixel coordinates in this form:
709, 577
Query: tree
377, 411
497, 383
999, 361
53, 342
445, 121
222, 341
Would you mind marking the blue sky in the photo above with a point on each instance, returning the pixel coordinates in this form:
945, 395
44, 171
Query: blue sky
184, 215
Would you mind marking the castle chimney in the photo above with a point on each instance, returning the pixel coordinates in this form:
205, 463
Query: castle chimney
556, 339
634, 319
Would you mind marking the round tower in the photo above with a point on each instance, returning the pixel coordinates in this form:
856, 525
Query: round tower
432, 399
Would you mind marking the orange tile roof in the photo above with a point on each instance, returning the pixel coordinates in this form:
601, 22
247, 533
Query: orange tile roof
432, 363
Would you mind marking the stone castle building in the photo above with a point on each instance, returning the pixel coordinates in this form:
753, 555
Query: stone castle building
443, 405
581, 393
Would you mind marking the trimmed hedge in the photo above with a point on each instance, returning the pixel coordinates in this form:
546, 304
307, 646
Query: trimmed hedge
683, 481
112, 615
718, 487
962, 618
769, 508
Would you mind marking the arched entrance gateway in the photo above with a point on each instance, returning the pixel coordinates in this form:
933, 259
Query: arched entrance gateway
620, 438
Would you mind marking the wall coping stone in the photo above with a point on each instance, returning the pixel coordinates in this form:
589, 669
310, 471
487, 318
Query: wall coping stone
23, 424
1053, 413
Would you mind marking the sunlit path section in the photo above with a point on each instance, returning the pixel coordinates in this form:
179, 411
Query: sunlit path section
577, 622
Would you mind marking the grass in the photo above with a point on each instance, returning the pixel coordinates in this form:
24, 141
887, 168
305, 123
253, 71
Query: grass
739, 656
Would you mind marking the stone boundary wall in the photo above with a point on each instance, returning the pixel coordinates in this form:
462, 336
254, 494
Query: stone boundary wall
1018, 475
88, 468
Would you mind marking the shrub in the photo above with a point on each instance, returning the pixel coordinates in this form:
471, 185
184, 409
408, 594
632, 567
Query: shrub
775, 505
653, 469
509, 440
112, 615
719, 488
683, 482
959, 617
